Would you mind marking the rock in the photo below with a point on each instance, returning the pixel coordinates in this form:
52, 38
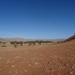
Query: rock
13, 66
71, 72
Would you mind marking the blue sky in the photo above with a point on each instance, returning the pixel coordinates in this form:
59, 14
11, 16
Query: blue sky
37, 19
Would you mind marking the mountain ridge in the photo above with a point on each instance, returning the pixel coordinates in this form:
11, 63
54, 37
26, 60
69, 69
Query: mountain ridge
23, 39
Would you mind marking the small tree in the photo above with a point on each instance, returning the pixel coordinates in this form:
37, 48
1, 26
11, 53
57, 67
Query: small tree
0, 42
13, 42
39, 43
21, 43
29, 43
15, 45
4, 42
34, 42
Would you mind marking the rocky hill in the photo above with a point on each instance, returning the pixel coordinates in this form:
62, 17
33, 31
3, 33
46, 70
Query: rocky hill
70, 38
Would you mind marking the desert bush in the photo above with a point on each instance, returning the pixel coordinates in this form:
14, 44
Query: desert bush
3, 42
34, 43
3, 46
15, 45
0, 42
13, 42
25, 42
39, 43
21, 43
29, 43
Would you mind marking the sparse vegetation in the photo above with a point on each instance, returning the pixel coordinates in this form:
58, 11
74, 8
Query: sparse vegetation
37, 41
29, 43
3, 46
15, 45
0, 42
3, 42
34, 43
13, 42
21, 43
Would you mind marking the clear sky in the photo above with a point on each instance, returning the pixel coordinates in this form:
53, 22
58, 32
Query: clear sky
37, 19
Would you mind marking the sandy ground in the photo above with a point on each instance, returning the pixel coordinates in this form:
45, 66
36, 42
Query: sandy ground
48, 59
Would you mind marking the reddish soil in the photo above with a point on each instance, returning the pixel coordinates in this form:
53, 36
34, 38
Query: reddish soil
48, 59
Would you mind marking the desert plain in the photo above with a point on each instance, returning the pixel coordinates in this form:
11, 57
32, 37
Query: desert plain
44, 59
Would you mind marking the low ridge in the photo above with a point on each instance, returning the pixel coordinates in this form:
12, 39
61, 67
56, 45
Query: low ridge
70, 38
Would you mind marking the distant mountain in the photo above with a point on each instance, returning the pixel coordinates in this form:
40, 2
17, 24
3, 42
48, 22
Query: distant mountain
58, 39
11, 39
1, 39
22, 39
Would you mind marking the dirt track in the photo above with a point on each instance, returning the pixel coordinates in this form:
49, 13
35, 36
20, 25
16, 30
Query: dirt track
55, 59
